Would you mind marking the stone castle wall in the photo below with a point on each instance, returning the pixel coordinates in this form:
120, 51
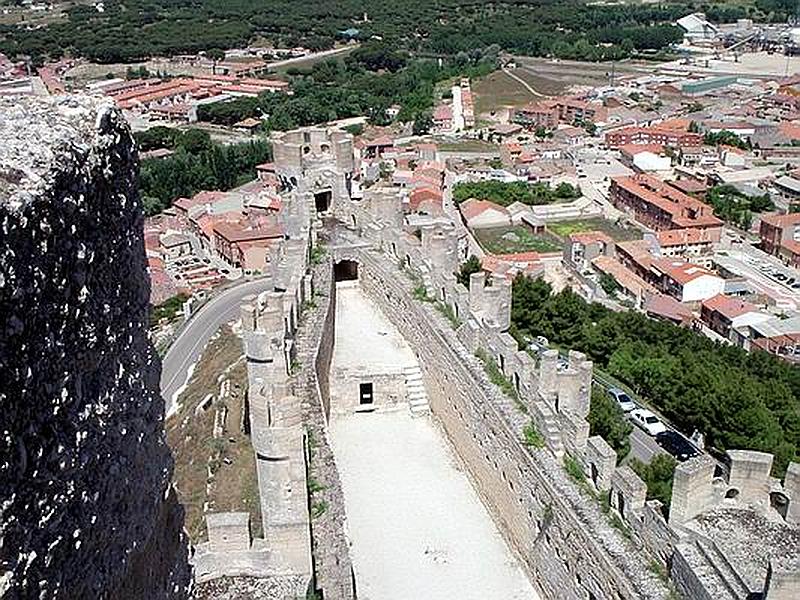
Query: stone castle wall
333, 568
322, 364
87, 511
564, 541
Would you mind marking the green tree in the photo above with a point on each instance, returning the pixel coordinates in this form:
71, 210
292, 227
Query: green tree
194, 141
376, 56
156, 137
422, 124
517, 191
737, 399
609, 284
607, 420
726, 138
470, 266
215, 54
658, 476
355, 129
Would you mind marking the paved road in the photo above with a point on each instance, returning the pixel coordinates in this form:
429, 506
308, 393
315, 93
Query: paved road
186, 350
643, 446
299, 60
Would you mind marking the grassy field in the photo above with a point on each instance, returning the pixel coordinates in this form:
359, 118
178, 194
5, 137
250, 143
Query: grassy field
233, 485
497, 91
509, 240
468, 146
564, 229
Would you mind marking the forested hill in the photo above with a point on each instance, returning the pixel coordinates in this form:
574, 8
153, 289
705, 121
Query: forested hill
129, 30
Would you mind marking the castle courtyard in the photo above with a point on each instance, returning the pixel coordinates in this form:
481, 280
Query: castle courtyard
417, 526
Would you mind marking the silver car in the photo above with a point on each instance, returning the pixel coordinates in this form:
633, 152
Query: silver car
623, 400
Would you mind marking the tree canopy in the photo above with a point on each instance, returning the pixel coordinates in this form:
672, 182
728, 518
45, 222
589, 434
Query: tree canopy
607, 420
195, 166
334, 89
133, 30
505, 194
735, 207
468, 267
738, 399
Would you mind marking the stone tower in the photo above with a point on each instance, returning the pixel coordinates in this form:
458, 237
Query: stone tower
86, 507
318, 164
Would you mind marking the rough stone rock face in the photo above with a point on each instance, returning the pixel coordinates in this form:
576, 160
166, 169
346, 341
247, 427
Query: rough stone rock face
86, 509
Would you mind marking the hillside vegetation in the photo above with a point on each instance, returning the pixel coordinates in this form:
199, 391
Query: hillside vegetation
130, 30
738, 400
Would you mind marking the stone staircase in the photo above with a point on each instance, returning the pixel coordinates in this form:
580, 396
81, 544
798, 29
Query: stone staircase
548, 424
415, 389
728, 577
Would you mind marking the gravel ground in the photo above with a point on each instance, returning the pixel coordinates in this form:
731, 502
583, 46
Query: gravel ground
417, 527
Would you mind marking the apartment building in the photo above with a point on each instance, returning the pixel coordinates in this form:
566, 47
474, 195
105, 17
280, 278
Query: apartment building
674, 138
780, 236
661, 207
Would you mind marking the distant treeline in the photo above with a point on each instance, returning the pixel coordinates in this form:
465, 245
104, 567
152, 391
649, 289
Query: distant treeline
132, 30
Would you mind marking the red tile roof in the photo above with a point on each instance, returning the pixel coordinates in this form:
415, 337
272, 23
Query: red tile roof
424, 194
634, 149
472, 208
511, 265
443, 113
590, 237
781, 221
624, 276
238, 231
667, 307
684, 237
680, 271
729, 307
685, 211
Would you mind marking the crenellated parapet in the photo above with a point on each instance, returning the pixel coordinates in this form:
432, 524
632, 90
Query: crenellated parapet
281, 559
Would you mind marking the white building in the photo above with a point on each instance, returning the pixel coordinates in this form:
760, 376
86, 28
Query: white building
697, 27
648, 162
687, 282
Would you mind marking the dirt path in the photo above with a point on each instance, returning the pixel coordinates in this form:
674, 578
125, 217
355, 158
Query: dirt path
524, 84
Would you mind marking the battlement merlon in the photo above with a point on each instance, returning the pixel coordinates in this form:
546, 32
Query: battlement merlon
304, 149
692, 489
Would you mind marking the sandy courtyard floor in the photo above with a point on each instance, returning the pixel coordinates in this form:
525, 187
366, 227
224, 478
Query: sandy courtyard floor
418, 529
364, 336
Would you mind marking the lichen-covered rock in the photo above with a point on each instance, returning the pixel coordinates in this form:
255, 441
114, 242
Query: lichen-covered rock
85, 505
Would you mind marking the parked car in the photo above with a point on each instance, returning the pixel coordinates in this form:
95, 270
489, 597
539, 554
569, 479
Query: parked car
676, 445
648, 421
623, 400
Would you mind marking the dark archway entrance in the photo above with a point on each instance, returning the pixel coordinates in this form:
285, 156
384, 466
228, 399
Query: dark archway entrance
322, 201
345, 270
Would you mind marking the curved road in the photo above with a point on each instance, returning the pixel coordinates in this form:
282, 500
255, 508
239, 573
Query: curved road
186, 349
